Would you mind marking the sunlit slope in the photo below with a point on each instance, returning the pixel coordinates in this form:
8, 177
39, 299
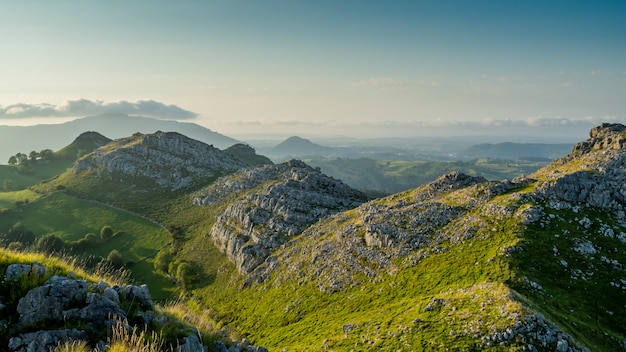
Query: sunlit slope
460, 263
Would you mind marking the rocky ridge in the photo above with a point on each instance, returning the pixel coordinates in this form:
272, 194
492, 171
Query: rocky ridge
383, 237
170, 159
270, 204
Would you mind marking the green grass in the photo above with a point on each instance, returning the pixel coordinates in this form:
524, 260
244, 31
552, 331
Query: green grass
297, 315
590, 307
71, 218
10, 200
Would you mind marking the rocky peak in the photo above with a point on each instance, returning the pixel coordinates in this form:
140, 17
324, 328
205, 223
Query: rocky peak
592, 175
269, 204
170, 159
606, 136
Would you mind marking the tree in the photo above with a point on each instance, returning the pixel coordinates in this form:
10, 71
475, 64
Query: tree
33, 155
115, 258
12, 160
106, 232
163, 260
21, 158
46, 154
49, 243
185, 274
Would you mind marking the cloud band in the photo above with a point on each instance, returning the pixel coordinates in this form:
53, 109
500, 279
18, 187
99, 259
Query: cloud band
85, 107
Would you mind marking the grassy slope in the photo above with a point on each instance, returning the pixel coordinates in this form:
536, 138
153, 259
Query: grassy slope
485, 291
300, 317
71, 218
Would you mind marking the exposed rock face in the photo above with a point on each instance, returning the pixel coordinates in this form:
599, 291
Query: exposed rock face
67, 309
601, 175
271, 204
61, 300
606, 136
170, 159
383, 237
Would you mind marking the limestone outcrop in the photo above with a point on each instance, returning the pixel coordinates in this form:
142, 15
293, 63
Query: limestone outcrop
168, 158
64, 309
270, 204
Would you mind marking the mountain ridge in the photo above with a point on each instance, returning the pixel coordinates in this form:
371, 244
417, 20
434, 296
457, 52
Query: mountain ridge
520, 245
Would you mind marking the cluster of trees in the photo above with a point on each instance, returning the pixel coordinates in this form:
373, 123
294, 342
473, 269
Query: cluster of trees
183, 272
21, 158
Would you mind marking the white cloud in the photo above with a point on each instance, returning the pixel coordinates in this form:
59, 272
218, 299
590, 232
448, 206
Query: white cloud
84, 107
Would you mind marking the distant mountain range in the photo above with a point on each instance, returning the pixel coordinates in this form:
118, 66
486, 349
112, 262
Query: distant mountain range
14, 139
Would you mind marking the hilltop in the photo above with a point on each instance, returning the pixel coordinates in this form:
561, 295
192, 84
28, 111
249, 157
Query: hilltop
298, 146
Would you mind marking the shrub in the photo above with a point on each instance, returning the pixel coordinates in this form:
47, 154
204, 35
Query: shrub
185, 274
91, 238
163, 260
49, 243
115, 258
19, 233
106, 232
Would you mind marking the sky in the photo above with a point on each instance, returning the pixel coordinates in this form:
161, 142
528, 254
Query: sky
252, 68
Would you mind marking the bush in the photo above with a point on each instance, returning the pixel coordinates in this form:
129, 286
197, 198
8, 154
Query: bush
19, 233
106, 232
163, 260
91, 238
116, 259
185, 274
49, 243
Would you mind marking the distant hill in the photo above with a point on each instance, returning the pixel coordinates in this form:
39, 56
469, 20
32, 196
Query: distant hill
515, 151
85, 143
297, 146
14, 139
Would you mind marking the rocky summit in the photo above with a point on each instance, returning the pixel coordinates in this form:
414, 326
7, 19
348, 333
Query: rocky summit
168, 158
269, 205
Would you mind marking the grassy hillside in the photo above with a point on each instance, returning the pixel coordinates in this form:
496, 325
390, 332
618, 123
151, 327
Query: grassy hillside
71, 219
459, 293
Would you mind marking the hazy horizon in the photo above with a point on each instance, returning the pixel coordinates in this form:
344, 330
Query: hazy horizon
366, 69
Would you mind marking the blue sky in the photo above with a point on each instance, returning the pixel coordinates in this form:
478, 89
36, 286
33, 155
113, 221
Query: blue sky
312, 68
